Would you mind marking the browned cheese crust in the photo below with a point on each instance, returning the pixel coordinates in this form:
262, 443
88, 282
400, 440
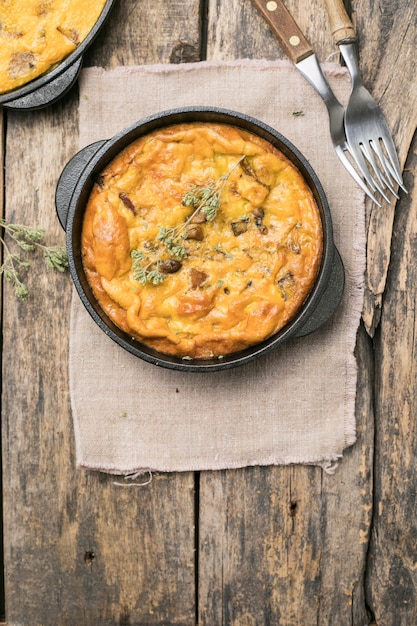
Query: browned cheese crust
242, 275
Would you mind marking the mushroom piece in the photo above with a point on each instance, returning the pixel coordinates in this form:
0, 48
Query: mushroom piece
287, 285
259, 214
197, 278
21, 63
127, 202
170, 266
195, 232
239, 227
199, 218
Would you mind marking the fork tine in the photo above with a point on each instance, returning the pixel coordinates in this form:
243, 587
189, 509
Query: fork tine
363, 168
369, 154
347, 164
391, 164
366, 129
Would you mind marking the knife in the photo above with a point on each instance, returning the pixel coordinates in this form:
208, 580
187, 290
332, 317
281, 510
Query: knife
302, 55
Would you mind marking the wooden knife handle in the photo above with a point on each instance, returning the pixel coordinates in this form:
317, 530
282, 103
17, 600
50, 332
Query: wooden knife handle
285, 28
340, 22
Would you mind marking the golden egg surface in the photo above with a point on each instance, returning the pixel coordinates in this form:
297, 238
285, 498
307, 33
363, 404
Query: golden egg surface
36, 35
201, 239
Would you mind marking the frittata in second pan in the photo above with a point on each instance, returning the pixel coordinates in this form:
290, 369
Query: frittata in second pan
36, 35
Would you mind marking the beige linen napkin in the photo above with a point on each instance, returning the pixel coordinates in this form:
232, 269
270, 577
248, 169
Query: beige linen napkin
294, 405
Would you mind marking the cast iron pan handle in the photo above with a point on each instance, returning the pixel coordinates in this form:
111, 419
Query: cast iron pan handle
69, 178
330, 299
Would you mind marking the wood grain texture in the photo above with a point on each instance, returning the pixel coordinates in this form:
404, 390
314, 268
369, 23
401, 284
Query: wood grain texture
73, 534
340, 23
237, 30
2, 156
392, 575
150, 31
286, 29
388, 35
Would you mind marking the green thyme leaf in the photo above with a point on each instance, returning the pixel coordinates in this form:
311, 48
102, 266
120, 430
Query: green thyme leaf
175, 248
191, 198
29, 240
164, 233
148, 273
205, 200
139, 272
56, 258
218, 248
155, 277
137, 255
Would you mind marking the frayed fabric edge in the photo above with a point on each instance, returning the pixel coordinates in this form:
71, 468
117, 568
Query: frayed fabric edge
328, 465
358, 296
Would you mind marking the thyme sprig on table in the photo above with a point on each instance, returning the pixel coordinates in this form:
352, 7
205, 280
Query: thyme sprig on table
28, 240
149, 267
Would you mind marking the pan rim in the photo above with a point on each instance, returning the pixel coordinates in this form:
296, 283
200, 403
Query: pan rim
109, 148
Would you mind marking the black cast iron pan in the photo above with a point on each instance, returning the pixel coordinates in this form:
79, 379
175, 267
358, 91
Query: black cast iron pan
72, 193
51, 86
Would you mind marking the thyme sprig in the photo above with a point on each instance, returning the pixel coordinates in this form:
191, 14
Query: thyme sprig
205, 201
28, 240
148, 273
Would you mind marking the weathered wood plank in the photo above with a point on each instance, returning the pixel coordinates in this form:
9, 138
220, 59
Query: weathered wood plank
388, 65
237, 30
388, 34
392, 575
150, 31
78, 549
2, 146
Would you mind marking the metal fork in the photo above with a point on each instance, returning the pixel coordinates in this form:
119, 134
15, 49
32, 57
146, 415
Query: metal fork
366, 129
301, 53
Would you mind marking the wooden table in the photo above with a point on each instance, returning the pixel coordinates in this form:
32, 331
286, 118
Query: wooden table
276, 545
